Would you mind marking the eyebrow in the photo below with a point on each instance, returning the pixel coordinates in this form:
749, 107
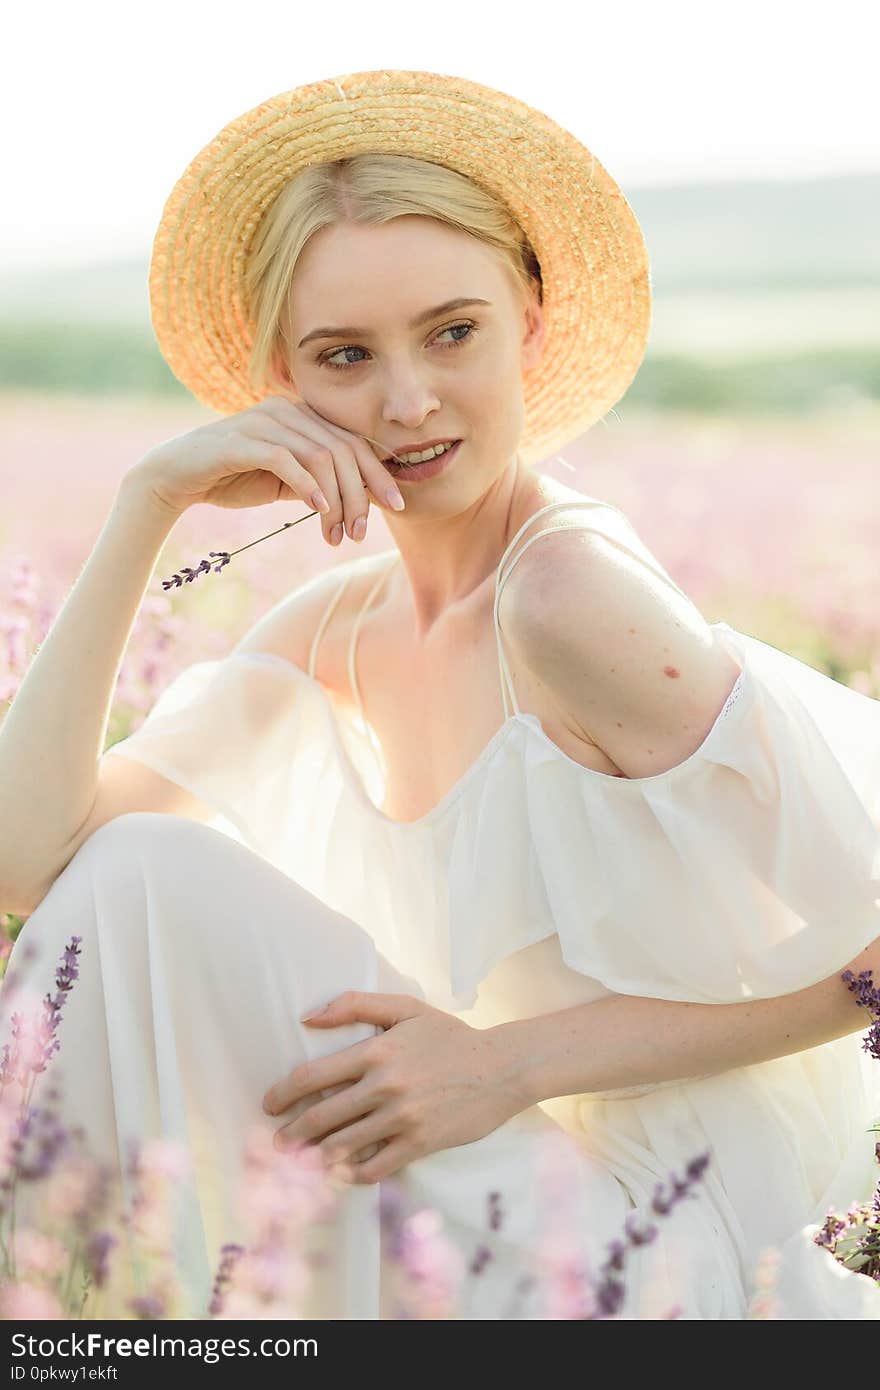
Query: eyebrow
349, 332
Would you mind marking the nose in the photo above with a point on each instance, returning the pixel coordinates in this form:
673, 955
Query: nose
409, 400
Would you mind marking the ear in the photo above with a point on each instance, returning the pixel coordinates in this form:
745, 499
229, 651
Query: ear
532, 344
282, 378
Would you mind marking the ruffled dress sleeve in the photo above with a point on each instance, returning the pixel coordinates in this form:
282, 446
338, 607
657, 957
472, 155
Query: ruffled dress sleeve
751, 869
248, 735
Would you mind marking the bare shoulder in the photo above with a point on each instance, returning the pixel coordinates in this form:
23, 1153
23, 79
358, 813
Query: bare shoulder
627, 654
288, 628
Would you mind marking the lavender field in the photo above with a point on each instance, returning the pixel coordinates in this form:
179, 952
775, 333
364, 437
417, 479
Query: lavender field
771, 524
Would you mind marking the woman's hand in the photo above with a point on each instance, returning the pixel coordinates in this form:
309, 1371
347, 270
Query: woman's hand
274, 451
428, 1082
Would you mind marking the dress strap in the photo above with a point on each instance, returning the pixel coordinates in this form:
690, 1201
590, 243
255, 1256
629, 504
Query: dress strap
325, 618
508, 693
356, 627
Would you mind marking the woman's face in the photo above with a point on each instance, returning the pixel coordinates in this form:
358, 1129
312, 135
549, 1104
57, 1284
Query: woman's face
409, 375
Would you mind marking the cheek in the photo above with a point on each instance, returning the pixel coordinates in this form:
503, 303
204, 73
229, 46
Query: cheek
490, 385
496, 403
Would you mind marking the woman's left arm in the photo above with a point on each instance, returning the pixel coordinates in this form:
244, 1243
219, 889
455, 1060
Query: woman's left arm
634, 664
625, 1040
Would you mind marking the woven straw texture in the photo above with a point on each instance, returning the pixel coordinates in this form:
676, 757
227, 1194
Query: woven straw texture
594, 262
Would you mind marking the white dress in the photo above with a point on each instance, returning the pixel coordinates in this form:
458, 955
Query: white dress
750, 869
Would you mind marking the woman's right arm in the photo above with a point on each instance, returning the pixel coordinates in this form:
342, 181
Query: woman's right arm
53, 733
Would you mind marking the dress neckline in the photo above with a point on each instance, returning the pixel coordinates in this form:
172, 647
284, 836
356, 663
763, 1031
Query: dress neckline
628, 786
513, 714
515, 719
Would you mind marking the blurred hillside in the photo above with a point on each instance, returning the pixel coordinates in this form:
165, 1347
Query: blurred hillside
766, 298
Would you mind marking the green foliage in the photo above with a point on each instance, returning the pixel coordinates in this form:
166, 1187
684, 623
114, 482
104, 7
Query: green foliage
111, 359
91, 359
793, 383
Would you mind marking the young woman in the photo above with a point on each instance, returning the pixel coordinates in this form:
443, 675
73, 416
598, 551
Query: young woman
563, 859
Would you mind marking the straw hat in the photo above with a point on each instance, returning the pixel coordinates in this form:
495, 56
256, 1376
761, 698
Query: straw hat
592, 255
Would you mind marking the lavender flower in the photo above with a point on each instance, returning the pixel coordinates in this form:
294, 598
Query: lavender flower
610, 1290
24, 1065
187, 575
148, 1306
867, 997
98, 1254
230, 1253
424, 1268
854, 1240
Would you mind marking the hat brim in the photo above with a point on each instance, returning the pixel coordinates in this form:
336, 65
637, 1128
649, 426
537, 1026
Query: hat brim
594, 262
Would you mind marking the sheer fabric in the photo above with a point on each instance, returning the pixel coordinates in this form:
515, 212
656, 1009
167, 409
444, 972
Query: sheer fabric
751, 869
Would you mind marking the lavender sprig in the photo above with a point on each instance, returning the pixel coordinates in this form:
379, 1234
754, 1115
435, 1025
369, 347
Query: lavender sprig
854, 1239
24, 1070
867, 997
23, 1066
599, 1295
187, 575
230, 1254
610, 1289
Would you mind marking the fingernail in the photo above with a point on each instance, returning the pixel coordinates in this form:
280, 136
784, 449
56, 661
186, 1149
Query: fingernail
394, 498
336, 533
359, 530
314, 1014
319, 501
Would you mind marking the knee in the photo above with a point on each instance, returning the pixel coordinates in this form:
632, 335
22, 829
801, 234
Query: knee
135, 831
117, 842
120, 847
114, 858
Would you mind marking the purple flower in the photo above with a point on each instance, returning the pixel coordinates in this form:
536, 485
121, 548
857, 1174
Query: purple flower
230, 1253
482, 1256
496, 1215
97, 1256
148, 1306
24, 1065
854, 1240
610, 1289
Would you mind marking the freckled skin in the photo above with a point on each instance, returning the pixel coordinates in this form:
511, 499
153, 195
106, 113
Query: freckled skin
671, 671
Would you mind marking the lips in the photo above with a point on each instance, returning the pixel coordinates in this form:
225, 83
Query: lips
418, 448
415, 472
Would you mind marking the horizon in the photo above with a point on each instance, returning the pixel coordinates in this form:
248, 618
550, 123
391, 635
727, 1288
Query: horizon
660, 102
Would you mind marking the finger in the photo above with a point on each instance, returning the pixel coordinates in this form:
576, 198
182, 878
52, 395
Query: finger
370, 453
315, 458
348, 1064
322, 1119
335, 464
276, 458
344, 1171
345, 1144
338, 444
385, 1163
365, 1006
355, 502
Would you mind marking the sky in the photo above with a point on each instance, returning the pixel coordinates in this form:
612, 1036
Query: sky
103, 106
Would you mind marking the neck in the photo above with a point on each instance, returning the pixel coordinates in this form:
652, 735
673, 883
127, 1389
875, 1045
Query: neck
445, 561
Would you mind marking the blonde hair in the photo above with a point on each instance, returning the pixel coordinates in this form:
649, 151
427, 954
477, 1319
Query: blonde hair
369, 189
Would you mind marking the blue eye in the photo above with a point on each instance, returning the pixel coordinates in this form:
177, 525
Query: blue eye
326, 359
